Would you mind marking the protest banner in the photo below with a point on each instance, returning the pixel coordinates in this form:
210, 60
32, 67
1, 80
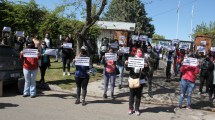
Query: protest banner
67, 45
114, 45
213, 49
111, 56
6, 29
164, 44
203, 43
51, 52
136, 62
125, 49
20, 33
135, 37
32, 53
143, 38
82, 61
184, 47
190, 61
201, 49
175, 41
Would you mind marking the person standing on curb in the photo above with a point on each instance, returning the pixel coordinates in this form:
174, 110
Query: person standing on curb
136, 92
187, 83
82, 78
109, 74
30, 70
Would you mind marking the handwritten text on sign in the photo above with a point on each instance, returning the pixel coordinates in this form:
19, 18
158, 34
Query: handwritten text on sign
50, 52
67, 45
82, 61
111, 56
136, 62
190, 61
33, 53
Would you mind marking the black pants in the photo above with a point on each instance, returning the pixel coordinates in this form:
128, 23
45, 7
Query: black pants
203, 79
101, 55
149, 79
66, 62
43, 68
156, 65
212, 91
168, 69
135, 92
81, 83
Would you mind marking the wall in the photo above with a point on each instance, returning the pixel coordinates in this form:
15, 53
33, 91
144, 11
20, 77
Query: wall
198, 40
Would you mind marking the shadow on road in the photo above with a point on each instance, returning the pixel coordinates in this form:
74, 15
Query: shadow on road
108, 101
159, 109
4, 105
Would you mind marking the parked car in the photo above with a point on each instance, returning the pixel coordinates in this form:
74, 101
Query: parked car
10, 65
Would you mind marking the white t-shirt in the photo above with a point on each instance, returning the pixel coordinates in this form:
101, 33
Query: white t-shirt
47, 42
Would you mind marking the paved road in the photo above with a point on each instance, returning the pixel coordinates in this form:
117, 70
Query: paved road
53, 105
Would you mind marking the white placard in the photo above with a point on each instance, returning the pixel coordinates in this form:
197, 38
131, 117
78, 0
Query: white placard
136, 62
111, 56
190, 61
50, 52
125, 49
143, 38
201, 49
121, 42
175, 41
114, 45
184, 46
160, 55
20, 33
213, 49
164, 44
6, 29
82, 61
32, 53
135, 37
203, 43
67, 45
122, 37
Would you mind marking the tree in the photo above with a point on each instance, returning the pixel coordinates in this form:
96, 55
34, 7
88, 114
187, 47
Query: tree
157, 36
130, 11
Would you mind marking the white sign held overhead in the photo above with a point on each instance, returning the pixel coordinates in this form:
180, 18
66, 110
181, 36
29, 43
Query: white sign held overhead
213, 49
67, 45
20, 33
125, 49
190, 61
111, 56
32, 53
7, 29
136, 62
114, 45
51, 52
203, 43
175, 41
143, 38
82, 61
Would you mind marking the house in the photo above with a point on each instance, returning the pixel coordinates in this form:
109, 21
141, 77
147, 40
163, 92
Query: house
114, 31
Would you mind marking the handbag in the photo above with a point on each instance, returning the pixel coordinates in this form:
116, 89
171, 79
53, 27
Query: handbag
134, 83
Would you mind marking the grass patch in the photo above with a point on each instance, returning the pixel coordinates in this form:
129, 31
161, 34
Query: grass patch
54, 75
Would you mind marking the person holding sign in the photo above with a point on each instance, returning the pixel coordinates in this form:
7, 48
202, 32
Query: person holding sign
30, 69
136, 73
44, 62
81, 78
67, 56
109, 74
187, 82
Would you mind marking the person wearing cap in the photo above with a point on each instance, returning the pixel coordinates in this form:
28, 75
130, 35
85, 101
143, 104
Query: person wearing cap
30, 70
44, 61
81, 77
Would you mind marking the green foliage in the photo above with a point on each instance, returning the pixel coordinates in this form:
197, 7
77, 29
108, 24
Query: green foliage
130, 11
157, 36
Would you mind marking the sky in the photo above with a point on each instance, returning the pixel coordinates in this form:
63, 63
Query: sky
165, 16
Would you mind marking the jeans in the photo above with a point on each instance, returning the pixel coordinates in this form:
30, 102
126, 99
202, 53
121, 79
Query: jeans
135, 92
30, 81
109, 77
81, 83
121, 70
186, 87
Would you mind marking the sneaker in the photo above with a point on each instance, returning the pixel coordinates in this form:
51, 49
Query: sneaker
33, 96
77, 102
137, 112
68, 73
130, 111
105, 96
189, 108
83, 103
25, 95
64, 73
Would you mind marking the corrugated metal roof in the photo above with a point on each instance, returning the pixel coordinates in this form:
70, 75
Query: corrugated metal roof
116, 25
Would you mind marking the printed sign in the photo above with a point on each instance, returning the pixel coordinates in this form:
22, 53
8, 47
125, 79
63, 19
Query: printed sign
32, 53
190, 61
185, 47
114, 45
125, 49
143, 38
175, 41
136, 62
20, 33
111, 56
122, 37
50, 52
67, 45
7, 29
82, 61
164, 44
203, 43
181, 44
213, 49
134, 37
201, 49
